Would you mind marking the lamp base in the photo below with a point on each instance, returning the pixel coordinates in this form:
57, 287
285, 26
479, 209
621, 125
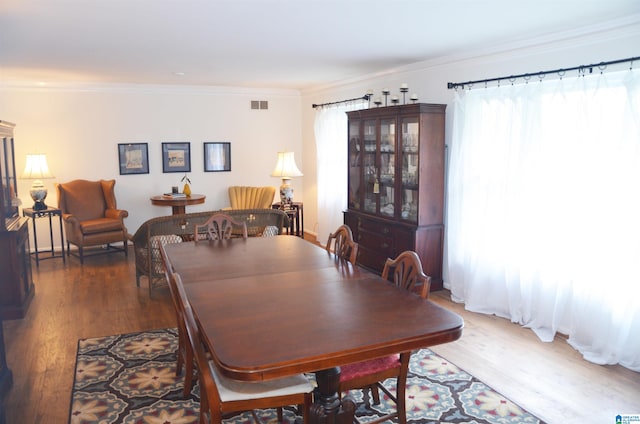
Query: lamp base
39, 206
38, 193
286, 192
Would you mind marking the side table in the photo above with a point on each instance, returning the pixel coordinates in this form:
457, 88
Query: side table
295, 211
178, 204
49, 212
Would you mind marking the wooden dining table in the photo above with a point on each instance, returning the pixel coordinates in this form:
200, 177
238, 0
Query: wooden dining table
276, 306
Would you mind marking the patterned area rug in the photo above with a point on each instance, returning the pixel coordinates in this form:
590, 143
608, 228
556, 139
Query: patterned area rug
130, 378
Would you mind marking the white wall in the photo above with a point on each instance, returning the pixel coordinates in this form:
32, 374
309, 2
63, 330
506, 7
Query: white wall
80, 127
429, 81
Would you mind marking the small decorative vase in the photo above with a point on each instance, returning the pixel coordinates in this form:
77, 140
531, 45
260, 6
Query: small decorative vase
186, 189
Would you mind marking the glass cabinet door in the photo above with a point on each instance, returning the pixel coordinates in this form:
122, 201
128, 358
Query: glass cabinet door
355, 164
371, 184
9, 200
410, 166
387, 166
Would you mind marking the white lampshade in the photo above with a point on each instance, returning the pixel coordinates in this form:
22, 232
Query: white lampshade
37, 169
286, 168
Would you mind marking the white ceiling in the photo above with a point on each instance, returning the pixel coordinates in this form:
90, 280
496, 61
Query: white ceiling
295, 44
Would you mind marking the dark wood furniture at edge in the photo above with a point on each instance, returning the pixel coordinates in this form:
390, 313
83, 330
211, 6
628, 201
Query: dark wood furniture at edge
286, 323
6, 377
396, 184
16, 285
16, 282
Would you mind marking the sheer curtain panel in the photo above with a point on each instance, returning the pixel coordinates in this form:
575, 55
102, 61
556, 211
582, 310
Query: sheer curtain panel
543, 215
331, 135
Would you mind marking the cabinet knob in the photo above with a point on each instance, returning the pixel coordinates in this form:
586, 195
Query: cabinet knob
385, 230
384, 245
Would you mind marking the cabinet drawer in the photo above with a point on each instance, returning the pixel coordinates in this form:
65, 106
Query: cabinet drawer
371, 259
377, 227
376, 242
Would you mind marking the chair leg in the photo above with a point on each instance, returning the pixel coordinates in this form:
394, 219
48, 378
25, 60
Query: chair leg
280, 415
81, 254
401, 389
188, 379
375, 394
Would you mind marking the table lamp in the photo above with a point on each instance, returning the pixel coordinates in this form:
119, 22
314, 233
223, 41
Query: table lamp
37, 169
286, 168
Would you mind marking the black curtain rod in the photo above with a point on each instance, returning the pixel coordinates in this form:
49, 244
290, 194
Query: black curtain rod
560, 72
365, 97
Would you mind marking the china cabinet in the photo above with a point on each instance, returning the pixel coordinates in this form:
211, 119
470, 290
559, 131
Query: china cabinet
396, 184
16, 283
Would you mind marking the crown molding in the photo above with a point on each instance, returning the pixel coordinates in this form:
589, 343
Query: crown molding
146, 88
608, 31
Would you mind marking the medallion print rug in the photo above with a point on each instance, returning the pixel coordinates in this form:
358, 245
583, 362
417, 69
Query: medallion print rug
130, 378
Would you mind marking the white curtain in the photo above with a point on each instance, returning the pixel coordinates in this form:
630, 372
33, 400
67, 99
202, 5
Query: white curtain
331, 145
543, 212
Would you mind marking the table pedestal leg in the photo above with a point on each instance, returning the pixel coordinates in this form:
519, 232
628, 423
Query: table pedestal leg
328, 408
178, 210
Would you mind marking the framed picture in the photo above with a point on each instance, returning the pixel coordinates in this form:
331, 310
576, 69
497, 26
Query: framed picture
176, 157
133, 158
217, 157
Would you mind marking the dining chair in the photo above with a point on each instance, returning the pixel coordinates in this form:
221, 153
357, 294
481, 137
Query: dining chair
342, 244
184, 354
407, 274
219, 226
220, 395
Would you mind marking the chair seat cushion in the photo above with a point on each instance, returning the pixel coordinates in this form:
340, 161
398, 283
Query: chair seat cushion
100, 225
270, 231
233, 390
359, 369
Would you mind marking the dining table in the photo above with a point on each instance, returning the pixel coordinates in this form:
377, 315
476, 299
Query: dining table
271, 307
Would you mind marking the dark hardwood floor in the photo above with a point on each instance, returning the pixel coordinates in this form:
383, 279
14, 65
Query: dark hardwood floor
100, 298
72, 302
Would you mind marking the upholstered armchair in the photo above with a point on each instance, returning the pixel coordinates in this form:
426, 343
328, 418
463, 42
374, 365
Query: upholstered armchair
91, 217
251, 197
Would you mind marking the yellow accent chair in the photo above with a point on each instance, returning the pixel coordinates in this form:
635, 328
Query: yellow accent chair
242, 197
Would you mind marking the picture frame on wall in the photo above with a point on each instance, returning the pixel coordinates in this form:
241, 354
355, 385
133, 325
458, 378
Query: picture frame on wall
176, 157
217, 156
133, 158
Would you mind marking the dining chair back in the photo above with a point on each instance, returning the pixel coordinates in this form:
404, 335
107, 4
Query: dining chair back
342, 244
407, 274
220, 394
220, 226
